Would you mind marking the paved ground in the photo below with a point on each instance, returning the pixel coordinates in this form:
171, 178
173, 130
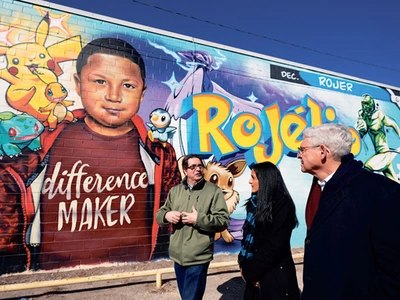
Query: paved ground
223, 283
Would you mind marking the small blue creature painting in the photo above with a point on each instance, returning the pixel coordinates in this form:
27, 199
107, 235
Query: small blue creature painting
160, 128
18, 132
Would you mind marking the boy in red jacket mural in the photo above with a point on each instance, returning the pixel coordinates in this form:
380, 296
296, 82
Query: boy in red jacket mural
102, 178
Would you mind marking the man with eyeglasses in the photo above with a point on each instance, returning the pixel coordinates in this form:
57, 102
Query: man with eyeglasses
352, 245
196, 209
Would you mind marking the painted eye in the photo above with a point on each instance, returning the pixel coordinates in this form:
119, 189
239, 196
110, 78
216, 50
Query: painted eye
36, 127
163, 118
129, 86
100, 81
230, 182
12, 132
63, 90
214, 178
15, 61
50, 92
41, 55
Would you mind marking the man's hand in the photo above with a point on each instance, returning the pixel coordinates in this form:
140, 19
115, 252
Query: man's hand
189, 218
173, 216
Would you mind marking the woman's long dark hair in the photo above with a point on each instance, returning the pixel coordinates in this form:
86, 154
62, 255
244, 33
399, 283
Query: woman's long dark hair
272, 191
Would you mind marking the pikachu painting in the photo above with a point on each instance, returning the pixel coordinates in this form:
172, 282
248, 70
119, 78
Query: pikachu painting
32, 67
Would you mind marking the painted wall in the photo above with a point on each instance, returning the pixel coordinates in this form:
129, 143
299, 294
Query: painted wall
70, 196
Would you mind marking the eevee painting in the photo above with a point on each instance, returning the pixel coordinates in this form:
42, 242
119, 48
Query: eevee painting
224, 177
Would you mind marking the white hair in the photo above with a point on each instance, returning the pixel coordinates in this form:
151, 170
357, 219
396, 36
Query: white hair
336, 137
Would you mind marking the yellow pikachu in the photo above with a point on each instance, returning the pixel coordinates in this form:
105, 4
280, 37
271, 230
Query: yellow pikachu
31, 67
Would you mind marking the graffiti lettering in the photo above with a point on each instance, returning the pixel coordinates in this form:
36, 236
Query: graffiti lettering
335, 84
77, 178
212, 119
62, 212
289, 75
102, 212
269, 136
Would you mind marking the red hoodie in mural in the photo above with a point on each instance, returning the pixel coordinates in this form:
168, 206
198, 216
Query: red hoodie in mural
95, 202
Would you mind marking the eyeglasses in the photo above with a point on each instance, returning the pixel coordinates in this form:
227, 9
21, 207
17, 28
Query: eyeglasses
301, 150
194, 167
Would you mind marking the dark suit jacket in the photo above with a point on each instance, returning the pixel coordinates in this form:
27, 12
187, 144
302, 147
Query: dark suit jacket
352, 250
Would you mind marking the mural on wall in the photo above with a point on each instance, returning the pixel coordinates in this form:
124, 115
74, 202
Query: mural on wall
374, 122
93, 124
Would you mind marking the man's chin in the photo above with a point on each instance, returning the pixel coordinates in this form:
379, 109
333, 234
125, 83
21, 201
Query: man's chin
114, 123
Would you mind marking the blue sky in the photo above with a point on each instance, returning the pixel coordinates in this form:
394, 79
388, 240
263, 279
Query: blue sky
360, 38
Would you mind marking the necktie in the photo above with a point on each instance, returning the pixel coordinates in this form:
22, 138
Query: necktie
313, 202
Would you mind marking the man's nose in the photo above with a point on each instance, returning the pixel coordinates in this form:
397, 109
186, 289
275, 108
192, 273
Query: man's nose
114, 94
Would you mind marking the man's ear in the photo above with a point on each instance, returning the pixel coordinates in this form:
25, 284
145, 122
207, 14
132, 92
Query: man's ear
77, 80
324, 149
143, 92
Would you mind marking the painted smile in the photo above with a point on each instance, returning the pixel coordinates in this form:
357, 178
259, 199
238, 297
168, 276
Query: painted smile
33, 67
113, 111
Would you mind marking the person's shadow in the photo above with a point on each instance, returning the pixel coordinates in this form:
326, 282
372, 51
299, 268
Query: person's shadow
232, 289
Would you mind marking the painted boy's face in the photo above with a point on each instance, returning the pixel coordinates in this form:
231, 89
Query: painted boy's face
111, 89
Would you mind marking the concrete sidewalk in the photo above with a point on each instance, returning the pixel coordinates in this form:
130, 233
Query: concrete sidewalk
222, 283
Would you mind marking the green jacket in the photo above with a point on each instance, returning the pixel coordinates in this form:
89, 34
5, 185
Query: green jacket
194, 244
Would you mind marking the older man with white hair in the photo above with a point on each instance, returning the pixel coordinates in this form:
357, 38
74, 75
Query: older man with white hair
352, 247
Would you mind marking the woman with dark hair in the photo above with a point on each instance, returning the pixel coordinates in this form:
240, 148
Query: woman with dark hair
265, 259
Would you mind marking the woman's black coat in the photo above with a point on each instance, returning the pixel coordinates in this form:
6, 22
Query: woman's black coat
272, 264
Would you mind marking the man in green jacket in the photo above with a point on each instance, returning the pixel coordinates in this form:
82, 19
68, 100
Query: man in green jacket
197, 210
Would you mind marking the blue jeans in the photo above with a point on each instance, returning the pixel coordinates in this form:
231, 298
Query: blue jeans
191, 280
